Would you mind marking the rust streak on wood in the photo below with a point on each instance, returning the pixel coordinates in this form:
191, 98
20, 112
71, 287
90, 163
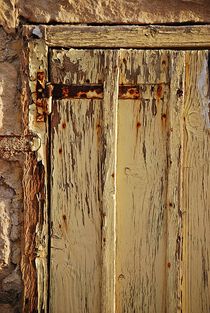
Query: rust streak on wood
129, 92
62, 91
93, 91
40, 96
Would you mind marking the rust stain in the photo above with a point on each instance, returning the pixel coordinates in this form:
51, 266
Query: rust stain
55, 117
61, 91
129, 92
40, 96
88, 91
159, 91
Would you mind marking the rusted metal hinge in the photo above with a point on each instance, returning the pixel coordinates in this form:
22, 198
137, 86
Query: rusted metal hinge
46, 92
43, 97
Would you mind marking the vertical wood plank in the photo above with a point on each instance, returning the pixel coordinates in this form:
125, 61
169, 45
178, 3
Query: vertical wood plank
142, 189
174, 208
196, 182
110, 104
36, 197
76, 208
83, 205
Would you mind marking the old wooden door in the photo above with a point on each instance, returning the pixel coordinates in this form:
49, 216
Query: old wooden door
129, 181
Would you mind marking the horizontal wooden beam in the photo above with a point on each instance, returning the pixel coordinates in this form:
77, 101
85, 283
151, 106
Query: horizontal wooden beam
181, 37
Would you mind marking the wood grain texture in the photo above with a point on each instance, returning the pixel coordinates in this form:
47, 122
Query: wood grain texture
126, 36
130, 202
34, 264
83, 206
196, 182
174, 208
141, 190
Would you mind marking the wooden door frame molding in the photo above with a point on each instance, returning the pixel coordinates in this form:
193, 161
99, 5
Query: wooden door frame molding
140, 37
37, 39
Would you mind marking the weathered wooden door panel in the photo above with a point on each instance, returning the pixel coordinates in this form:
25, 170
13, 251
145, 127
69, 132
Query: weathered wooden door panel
196, 182
129, 187
142, 184
82, 185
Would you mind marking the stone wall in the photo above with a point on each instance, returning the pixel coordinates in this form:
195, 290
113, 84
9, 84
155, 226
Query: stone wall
11, 172
13, 14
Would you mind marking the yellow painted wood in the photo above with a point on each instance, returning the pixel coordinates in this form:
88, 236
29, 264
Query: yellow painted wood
174, 208
82, 186
126, 36
129, 187
141, 190
37, 54
195, 184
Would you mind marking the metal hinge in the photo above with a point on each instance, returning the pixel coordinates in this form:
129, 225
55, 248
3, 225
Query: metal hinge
46, 92
43, 97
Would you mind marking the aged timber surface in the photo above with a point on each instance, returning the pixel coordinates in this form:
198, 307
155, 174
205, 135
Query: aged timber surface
174, 296
196, 182
126, 36
82, 216
142, 185
130, 201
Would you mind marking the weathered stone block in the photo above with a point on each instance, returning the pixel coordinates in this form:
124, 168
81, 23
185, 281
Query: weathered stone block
8, 17
117, 12
10, 114
11, 203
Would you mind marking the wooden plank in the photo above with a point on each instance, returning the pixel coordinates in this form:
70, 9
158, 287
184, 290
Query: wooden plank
196, 182
174, 207
111, 85
141, 192
82, 202
34, 264
126, 36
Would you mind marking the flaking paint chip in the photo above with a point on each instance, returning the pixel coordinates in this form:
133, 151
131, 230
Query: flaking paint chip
37, 32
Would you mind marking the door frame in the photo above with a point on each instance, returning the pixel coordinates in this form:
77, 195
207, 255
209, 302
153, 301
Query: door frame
36, 100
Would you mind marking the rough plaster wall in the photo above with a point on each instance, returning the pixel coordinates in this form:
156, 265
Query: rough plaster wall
11, 195
10, 233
